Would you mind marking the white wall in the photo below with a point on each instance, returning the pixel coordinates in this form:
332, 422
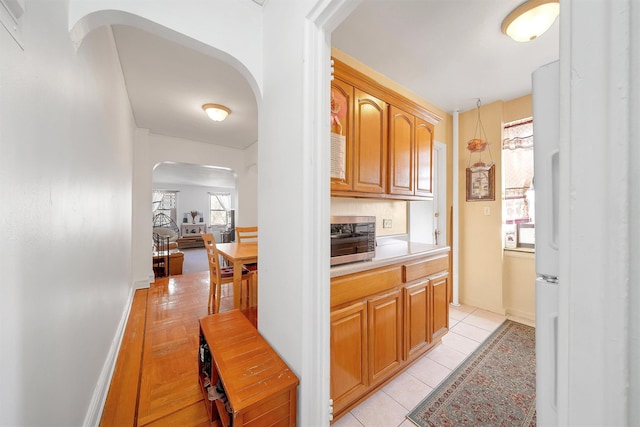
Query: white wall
248, 205
66, 135
598, 314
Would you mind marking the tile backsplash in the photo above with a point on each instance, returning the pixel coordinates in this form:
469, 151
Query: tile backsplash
394, 210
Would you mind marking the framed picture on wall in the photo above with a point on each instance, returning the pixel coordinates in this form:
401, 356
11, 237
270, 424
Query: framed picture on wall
480, 184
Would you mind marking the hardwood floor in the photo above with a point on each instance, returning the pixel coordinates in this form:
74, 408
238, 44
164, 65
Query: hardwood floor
122, 399
155, 381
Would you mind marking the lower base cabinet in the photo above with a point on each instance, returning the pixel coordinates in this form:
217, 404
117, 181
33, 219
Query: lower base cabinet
385, 335
349, 368
440, 287
382, 321
417, 303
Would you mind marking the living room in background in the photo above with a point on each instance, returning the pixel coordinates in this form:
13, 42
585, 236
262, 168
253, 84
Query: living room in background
519, 194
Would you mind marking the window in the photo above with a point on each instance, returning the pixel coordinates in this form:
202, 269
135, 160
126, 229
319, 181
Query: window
219, 203
519, 197
164, 201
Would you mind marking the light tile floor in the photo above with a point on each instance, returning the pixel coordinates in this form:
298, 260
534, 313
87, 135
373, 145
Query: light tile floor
468, 328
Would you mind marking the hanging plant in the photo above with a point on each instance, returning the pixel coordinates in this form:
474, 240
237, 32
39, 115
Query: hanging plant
478, 144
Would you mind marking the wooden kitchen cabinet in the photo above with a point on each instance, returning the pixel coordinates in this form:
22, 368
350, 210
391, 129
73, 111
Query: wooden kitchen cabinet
423, 166
369, 143
349, 367
389, 140
410, 154
362, 154
417, 312
342, 136
440, 289
401, 151
382, 320
385, 334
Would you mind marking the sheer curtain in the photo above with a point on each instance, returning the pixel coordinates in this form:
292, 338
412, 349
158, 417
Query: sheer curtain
517, 160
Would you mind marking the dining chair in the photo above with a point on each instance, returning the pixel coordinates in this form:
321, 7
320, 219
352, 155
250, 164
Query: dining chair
219, 275
247, 234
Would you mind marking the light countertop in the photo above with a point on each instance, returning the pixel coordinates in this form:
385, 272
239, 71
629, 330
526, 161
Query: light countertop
389, 251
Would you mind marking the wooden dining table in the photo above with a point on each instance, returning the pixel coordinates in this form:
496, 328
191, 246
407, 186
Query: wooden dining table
238, 254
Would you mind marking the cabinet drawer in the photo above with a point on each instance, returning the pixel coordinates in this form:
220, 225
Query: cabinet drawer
362, 285
420, 269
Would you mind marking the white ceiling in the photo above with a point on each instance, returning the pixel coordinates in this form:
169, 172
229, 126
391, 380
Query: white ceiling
168, 84
168, 175
449, 52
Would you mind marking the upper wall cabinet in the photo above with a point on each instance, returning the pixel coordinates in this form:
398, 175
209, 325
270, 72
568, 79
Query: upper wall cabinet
424, 152
381, 142
370, 143
341, 136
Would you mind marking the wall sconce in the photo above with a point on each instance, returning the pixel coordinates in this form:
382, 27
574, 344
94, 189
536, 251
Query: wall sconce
531, 19
216, 112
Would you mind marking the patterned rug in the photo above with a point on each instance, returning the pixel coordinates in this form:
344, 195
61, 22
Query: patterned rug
494, 386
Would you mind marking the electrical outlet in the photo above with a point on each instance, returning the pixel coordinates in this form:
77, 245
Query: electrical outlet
386, 223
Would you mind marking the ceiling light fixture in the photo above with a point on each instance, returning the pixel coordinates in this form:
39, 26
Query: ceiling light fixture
531, 19
216, 112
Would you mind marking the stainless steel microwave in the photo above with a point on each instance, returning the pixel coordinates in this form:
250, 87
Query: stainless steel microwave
353, 238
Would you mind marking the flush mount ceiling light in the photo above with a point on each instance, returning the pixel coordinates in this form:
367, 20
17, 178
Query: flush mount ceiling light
531, 19
216, 112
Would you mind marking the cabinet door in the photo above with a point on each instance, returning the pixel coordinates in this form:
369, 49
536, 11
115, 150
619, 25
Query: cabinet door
440, 306
424, 153
417, 315
349, 377
370, 143
342, 135
401, 151
385, 335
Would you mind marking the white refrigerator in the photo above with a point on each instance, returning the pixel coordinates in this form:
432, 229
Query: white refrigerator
546, 124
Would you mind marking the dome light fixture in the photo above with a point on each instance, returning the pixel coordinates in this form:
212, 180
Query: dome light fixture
531, 19
216, 112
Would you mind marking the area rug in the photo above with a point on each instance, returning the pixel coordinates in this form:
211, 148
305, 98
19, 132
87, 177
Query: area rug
195, 259
494, 386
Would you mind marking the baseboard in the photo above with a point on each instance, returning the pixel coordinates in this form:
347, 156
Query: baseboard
143, 284
523, 314
94, 413
481, 306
